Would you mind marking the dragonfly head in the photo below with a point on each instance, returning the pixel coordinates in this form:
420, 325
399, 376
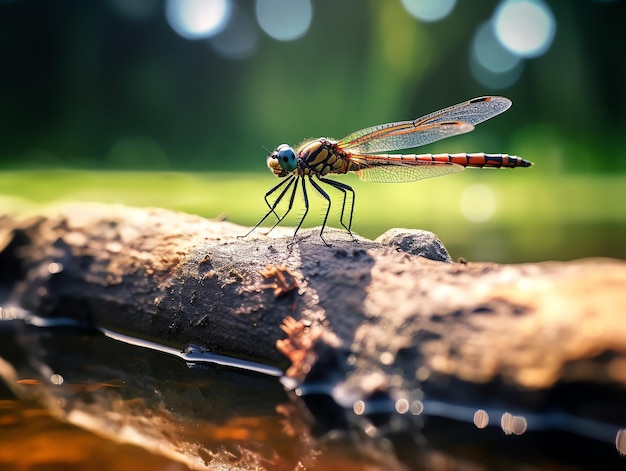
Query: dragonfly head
282, 161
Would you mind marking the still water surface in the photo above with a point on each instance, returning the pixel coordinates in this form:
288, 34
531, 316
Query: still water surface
91, 401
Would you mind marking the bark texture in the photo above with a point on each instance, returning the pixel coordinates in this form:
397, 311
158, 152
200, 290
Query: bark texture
385, 314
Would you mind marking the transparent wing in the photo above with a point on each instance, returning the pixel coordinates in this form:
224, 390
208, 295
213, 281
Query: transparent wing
401, 135
382, 169
473, 111
451, 121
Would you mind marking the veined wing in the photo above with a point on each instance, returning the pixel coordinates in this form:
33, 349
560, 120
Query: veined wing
451, 121
400, 169
400, 135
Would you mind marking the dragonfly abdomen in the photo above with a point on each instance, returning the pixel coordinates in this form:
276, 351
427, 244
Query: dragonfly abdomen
479, 159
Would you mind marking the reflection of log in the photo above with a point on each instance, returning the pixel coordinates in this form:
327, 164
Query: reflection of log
184, 280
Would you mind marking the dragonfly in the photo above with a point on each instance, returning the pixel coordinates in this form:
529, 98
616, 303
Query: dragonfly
360, 152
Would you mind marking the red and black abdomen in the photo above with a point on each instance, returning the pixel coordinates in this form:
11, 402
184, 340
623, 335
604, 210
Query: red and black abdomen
479, 159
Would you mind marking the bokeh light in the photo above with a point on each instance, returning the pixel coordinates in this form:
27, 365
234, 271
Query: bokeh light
359, 407
620, 441
57, 379
481, 418
429, 10
284, 20
491, 64
240, 38
513, 424
197, 19
402, 406
416, 407
525, 27
478, 203
489, 53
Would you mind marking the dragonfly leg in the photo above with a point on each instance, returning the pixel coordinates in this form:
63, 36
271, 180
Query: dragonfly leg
276, 202
280, 197
306, 209
272, 206
327, 198
345, 189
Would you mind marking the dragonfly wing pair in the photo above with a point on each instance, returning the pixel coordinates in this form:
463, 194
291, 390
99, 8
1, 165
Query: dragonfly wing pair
452, 121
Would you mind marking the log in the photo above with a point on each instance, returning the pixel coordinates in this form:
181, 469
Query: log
394, 315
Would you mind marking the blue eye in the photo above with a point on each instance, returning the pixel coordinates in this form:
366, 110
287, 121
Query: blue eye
286, 157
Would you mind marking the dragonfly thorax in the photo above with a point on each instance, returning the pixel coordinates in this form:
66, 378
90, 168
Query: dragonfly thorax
282, 161
322, 156
315, 157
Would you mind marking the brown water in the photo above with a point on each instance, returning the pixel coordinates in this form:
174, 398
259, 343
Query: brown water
32, 439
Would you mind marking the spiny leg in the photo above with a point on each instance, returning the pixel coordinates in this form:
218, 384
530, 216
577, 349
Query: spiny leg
293, 195
306, 210
276, 202
345, 189
280, 196
327, 198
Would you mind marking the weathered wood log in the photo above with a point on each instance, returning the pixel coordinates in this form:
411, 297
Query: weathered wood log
389, 316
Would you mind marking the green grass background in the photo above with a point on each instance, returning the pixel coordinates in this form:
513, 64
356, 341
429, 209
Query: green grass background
536, 217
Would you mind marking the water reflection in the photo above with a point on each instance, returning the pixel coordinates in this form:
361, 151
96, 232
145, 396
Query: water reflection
198, 413
207, 415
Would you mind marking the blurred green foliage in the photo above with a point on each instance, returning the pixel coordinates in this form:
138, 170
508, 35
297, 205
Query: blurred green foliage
530, 221
87, 88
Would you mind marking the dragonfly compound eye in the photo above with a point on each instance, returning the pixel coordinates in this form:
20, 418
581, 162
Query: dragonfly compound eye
286, 158
282, 161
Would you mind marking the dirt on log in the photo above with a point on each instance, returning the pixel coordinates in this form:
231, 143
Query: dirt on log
392, 308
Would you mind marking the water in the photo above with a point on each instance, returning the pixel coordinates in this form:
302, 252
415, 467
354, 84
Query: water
103, 400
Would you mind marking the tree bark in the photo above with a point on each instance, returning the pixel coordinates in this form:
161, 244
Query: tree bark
376, 313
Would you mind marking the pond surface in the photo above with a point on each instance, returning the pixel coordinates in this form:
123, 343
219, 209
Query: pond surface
79, 399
